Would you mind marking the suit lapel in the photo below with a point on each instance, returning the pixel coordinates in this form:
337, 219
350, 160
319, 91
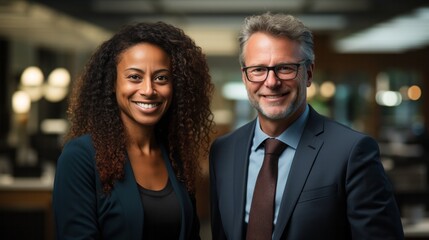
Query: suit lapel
242, 144
305, 155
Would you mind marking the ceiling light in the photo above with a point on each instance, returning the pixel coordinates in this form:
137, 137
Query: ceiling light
414, 92
21, 102
327, 89
234, 91
388, 98
59, 77
32, 76
397, 35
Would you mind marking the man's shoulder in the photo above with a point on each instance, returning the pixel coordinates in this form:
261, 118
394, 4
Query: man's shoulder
334, 125
240, 132
334, 130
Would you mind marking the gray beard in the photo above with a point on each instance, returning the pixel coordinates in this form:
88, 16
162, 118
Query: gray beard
283, 114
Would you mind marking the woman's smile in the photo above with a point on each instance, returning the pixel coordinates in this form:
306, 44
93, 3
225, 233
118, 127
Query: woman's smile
147, 105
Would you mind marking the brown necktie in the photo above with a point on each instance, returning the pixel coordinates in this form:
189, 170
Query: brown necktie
261, 216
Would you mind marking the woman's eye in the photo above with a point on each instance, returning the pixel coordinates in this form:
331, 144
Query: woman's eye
134, 77
162, 78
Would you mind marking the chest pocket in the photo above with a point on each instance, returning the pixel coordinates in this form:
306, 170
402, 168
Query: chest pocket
318, 193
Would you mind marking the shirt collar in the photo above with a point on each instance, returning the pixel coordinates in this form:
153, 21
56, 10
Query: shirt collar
290, 136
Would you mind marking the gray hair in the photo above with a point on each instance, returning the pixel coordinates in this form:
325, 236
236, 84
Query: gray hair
278, 25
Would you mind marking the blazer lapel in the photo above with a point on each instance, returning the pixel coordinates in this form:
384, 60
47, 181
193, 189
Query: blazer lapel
305, 155
182, 195
130, 199
128, 194
242, 144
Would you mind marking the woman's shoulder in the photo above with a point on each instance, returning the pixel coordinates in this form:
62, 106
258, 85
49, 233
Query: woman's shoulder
76, 168
81, 142
78, 151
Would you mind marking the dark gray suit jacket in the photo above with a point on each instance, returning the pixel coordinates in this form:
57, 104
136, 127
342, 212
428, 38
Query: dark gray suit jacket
82, 211
336, 189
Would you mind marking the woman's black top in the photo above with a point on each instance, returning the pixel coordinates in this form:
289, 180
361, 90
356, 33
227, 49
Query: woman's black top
162, 214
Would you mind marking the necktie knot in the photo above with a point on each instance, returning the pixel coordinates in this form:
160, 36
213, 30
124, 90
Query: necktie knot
274, 146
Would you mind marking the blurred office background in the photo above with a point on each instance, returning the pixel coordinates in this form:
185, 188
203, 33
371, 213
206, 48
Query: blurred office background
372, 74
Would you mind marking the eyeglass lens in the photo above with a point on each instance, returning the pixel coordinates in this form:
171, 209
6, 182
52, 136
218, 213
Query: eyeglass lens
282, 71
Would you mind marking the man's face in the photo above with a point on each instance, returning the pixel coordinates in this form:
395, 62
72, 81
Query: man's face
276, 99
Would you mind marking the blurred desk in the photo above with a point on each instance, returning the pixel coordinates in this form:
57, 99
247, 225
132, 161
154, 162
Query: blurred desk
419, 230
25, 207
9, 183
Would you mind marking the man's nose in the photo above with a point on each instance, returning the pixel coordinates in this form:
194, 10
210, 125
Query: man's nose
272, 80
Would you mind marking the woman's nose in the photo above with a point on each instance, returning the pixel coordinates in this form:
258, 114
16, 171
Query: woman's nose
146, 88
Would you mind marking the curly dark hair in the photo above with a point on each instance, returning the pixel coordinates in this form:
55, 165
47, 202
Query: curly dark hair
186, 127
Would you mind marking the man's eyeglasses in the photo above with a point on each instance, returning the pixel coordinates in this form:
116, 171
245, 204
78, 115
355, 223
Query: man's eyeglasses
285, 71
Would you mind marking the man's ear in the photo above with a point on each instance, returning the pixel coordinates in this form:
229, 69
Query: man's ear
310, 74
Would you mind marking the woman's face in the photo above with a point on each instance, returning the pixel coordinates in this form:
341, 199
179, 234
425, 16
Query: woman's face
144, 88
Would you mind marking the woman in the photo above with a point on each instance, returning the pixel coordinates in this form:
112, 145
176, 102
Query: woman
139, 118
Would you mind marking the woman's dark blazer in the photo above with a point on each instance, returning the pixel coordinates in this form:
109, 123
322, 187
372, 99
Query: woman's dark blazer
82, 211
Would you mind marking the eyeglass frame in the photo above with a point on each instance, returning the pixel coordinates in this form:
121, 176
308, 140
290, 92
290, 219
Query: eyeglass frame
273, 68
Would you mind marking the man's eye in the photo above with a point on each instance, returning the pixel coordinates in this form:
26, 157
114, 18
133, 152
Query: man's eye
285, 68
258, 70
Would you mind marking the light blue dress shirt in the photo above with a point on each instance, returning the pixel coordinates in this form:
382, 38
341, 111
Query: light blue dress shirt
291, 137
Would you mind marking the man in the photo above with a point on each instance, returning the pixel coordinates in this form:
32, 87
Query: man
330, 181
